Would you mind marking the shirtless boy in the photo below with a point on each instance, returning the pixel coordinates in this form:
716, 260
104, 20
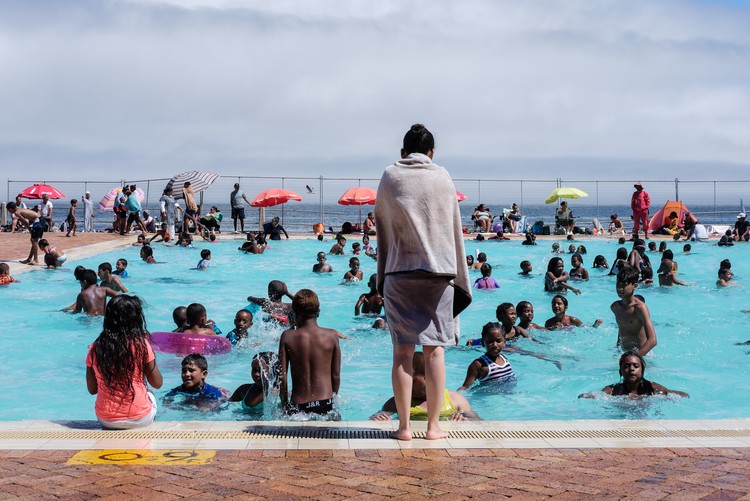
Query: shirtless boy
196, 321
109, 279
338, 248
315, 359
92, 299
274, 304
321, 266
372, 301
32, 221
635, 330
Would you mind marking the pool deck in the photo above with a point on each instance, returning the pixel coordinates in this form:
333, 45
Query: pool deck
561, 460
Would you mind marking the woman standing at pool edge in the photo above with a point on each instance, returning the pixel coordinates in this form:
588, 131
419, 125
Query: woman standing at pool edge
116, 365
421, 276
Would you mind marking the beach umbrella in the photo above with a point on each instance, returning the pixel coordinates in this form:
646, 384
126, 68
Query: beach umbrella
460, 196
565, 192
35, 191
107, 203
358, 196
199, 180
274, 196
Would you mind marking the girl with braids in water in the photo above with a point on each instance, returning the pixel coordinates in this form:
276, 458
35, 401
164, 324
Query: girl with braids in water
117, 365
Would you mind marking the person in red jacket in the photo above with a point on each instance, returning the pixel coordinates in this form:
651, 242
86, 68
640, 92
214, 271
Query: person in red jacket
639, 203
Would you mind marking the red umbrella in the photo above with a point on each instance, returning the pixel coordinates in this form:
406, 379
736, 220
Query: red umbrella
358, 196
274, 196
460, 196
35, 191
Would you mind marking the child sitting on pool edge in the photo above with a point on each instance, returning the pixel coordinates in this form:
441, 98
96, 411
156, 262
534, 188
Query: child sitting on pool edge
263, 370
53, 257
455, 406
194, 390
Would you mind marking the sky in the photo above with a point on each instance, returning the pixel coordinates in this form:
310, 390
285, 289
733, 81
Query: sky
574, 89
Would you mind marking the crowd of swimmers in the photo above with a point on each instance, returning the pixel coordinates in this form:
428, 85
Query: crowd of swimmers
309, 354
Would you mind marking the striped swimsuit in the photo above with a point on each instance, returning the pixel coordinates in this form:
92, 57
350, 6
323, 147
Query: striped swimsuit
496, 372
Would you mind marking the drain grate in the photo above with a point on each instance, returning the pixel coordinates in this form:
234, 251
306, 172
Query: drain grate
276, 433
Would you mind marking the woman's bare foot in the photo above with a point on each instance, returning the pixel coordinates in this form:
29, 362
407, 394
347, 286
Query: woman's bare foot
404, 435
27, 261
436, 434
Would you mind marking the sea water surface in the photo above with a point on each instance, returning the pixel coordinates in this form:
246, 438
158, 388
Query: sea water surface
43, 350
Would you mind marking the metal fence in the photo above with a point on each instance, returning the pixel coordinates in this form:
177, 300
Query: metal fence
320, 194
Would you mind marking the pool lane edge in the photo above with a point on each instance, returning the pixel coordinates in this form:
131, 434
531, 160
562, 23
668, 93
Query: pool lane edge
357, 435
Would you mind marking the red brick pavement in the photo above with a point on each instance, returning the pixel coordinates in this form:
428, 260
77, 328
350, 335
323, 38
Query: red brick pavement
567, 474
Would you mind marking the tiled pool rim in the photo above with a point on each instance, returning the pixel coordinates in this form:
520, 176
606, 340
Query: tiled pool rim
355, 435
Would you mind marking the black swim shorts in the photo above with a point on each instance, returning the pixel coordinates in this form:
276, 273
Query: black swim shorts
314, 407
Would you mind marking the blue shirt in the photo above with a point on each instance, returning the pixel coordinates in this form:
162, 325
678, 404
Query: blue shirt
207, 393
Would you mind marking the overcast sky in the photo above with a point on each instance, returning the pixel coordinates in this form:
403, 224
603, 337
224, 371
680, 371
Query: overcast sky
598, 89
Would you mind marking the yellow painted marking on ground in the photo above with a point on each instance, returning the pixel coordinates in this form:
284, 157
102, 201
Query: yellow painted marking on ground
141, 457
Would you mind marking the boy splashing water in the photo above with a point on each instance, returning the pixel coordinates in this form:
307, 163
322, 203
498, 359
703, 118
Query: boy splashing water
315, 358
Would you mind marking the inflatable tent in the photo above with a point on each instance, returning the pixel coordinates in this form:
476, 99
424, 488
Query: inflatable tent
658, 220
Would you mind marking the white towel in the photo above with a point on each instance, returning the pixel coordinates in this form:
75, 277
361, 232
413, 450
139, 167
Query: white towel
419, 224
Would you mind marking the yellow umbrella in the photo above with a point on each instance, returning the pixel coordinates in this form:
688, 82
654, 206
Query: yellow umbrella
565, 192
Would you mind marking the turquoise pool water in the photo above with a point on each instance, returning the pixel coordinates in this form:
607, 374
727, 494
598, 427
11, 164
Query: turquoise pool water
43, 350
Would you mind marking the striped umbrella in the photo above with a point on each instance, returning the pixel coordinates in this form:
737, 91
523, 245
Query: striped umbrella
199, 180
107, 204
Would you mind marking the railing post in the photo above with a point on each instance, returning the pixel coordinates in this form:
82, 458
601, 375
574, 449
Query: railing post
676, 189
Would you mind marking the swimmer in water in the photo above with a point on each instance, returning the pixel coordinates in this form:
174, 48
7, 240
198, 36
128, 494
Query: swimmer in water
263, 370
354, 274
562, 319
370, 302
634, 385
492, 367
321, 266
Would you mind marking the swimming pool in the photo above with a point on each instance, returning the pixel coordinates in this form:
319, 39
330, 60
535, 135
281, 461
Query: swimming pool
44, 350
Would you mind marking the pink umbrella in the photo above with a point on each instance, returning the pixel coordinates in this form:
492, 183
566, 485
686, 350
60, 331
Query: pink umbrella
460, 196
274, 196
358, 196
35, 191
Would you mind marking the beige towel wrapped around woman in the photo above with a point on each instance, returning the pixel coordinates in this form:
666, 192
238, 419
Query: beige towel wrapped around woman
420, 246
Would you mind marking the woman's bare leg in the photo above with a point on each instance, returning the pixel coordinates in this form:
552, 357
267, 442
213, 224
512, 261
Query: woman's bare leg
434, 358
402, 376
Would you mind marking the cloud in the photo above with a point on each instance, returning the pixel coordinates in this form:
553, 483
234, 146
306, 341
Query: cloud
154, 87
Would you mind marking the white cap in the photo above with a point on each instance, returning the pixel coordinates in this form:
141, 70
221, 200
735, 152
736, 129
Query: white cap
741, 215
87, 193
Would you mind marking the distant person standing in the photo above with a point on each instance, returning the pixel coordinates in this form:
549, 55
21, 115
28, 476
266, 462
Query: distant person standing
168, 211
639, 203
422, 273
238, 208
46, 211
88, 212
191, 208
